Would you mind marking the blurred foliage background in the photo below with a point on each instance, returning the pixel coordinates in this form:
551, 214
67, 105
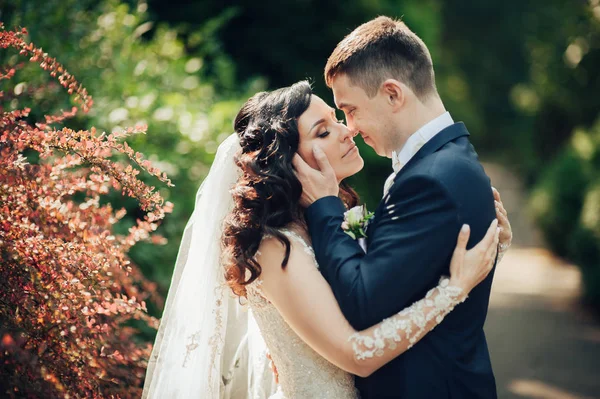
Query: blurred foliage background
523, 75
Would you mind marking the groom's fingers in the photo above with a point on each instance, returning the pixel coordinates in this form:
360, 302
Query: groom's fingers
298, 162
322, 161
302, 168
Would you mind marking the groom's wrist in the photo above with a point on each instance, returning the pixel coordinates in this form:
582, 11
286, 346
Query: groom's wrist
325, 206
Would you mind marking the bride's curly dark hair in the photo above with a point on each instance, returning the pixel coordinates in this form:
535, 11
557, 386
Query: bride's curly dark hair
266, 196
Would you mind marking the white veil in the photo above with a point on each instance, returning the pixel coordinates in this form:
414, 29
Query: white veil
208, 345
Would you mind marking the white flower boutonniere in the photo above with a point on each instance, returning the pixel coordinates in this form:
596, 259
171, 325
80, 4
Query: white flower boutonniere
355, 222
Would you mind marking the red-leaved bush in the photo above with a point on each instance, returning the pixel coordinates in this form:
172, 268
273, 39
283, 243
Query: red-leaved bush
68, 292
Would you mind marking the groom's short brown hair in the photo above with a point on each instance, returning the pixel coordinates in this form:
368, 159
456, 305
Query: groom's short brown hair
381, 49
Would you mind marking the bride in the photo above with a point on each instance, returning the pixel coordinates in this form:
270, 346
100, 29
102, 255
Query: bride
246, 278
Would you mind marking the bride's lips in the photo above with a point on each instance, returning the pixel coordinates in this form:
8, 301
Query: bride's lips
353, 148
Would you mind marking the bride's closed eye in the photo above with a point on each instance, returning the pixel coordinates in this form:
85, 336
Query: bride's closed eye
336, 120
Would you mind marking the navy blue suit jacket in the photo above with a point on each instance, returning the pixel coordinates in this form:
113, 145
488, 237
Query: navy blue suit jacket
410, 243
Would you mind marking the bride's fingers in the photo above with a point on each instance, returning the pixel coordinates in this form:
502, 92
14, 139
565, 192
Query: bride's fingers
487, 241
498, 203
491, 252
505, 229
458, 257
500, 208
502, 220
463, 239
504, 226
496, 194
488, 259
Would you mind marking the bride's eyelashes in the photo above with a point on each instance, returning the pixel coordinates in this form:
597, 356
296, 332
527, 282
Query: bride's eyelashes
326, 132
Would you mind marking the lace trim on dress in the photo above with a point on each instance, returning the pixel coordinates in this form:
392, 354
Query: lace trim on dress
410, 323
298, 238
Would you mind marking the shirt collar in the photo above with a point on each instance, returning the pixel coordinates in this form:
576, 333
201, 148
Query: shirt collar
418, 140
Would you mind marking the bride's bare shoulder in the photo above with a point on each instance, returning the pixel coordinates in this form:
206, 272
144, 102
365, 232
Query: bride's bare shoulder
272, 249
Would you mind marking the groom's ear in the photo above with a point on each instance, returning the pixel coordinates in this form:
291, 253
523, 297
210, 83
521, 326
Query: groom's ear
394, 93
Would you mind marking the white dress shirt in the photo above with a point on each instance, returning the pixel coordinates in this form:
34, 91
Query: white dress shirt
414, 143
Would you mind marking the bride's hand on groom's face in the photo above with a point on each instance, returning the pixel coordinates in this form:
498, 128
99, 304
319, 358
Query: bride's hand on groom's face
316, 183
469, 268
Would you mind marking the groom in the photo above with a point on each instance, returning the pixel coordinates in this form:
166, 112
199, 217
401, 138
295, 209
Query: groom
382, 78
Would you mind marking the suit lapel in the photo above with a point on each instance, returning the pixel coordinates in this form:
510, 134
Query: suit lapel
445, 136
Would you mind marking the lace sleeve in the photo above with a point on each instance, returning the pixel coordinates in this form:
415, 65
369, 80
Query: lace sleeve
502, 249
308, 306
402, 331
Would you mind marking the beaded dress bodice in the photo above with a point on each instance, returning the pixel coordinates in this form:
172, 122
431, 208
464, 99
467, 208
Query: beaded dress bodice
303, 373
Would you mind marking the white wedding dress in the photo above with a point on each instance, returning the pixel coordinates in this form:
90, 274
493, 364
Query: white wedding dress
303, 373
208, 347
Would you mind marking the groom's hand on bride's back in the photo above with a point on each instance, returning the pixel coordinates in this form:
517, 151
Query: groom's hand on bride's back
316, 183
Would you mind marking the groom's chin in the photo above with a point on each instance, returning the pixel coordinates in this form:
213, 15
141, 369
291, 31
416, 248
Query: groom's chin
371, 144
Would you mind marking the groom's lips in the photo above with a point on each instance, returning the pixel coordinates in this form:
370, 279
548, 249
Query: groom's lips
350, 150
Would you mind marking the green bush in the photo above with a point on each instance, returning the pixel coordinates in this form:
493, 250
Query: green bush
585, 251
558, 199
566, 206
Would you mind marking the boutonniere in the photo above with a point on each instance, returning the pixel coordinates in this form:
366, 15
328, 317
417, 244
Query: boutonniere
355, 222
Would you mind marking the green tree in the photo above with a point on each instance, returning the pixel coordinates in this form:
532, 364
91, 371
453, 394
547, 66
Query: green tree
139, 72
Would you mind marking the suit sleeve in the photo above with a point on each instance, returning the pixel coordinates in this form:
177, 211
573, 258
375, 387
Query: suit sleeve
412, 242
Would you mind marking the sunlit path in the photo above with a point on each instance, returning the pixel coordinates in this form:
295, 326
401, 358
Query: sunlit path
542, 342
